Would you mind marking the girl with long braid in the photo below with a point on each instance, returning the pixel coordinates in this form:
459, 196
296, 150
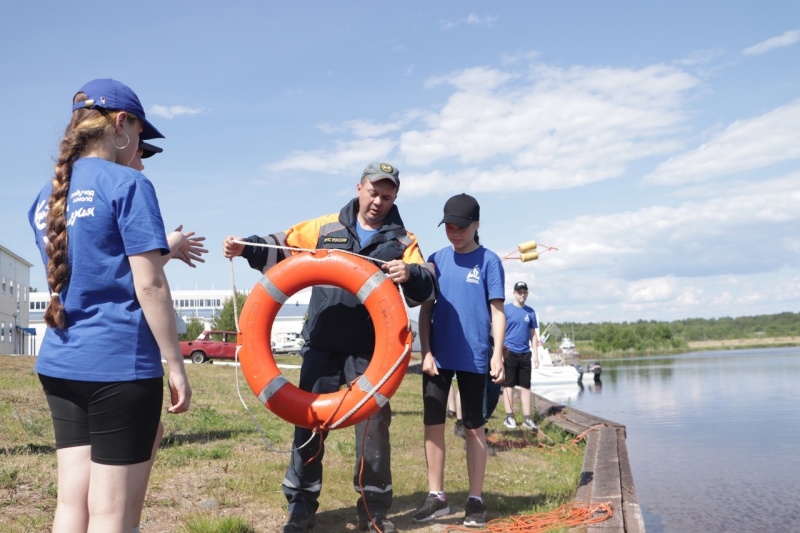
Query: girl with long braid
99, 229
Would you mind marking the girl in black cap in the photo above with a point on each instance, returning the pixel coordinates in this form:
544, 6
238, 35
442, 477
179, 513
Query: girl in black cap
454, 336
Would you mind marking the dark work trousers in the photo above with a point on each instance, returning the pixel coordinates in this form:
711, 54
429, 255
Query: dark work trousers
490, 398
324, 372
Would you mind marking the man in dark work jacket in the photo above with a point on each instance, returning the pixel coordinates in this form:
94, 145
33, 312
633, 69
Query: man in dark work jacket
339, 337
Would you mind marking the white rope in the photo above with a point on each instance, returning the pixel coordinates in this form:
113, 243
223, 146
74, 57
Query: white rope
369, 394
312, 250
236, 365
373, 391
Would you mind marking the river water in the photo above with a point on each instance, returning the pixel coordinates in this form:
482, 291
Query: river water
713, 437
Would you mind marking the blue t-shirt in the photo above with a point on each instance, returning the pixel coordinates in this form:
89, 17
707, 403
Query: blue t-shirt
520, 321
462, 317
112, 212
365, 235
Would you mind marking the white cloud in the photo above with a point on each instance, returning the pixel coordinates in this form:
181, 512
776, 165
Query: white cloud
759, 142
173, 111
345, 157
471, 20
719, 256
700, 249
530, 126
787, 39
594, 298
652, 290
371, 128
368, 128
551, 127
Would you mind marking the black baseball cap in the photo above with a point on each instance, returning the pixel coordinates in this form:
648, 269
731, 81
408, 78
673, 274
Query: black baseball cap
520, 286
149, 150
461, 210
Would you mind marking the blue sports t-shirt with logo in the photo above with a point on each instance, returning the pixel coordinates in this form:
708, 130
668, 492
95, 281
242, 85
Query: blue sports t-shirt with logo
112, 213
520, 321
462, 317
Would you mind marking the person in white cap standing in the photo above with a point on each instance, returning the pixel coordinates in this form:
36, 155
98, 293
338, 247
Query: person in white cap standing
522, 354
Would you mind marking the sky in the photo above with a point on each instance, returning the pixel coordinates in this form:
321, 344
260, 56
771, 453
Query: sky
654, 146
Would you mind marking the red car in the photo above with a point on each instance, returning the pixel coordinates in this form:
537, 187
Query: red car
210, 345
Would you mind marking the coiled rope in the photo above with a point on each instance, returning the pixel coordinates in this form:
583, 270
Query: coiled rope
568, 515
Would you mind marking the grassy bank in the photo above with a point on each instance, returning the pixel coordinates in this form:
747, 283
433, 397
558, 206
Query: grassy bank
214, 472
588, 352
738, 344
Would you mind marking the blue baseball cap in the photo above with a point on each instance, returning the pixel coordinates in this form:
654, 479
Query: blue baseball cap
112, 94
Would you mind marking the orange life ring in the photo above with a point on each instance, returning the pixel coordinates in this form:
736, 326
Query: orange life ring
393, 339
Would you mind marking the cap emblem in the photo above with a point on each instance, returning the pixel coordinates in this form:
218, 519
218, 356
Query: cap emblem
386, 167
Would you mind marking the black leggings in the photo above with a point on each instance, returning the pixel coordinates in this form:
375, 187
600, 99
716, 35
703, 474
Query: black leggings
118, 419
435, 389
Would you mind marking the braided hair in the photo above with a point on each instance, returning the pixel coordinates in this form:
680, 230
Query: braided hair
87, 128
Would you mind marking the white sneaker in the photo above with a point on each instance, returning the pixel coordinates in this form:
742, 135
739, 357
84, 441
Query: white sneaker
528, 424
510, 423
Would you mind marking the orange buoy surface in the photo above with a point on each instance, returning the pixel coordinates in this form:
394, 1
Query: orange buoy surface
393, 338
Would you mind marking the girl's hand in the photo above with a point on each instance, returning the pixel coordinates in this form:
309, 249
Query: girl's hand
429, 365
180, 393
191, 249
496, 369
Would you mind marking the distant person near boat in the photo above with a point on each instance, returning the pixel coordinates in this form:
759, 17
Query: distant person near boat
521, 347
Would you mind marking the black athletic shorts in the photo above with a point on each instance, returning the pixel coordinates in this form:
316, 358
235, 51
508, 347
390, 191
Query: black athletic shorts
118, 420
518, 370
435, 389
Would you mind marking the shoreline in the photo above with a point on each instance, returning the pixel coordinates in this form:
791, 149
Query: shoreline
728, 344
587, 353
607, 476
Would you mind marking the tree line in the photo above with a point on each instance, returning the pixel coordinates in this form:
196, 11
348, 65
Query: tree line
649, 336
224, 320
641, 337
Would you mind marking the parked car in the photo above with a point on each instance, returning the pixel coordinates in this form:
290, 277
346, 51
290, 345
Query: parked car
210, 345
287, 343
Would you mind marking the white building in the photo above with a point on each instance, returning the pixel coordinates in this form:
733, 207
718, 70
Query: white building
204, 305
15, 335
188, 304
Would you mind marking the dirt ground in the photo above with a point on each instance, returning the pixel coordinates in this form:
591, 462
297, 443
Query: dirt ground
264, 521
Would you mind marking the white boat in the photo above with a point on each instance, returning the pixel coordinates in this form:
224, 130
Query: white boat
566, 349
566, 346
550, 373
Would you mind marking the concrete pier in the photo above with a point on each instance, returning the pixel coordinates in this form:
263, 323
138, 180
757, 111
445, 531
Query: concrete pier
606, 474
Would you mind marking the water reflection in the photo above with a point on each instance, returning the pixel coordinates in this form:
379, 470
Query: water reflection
711, 436
566, 394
